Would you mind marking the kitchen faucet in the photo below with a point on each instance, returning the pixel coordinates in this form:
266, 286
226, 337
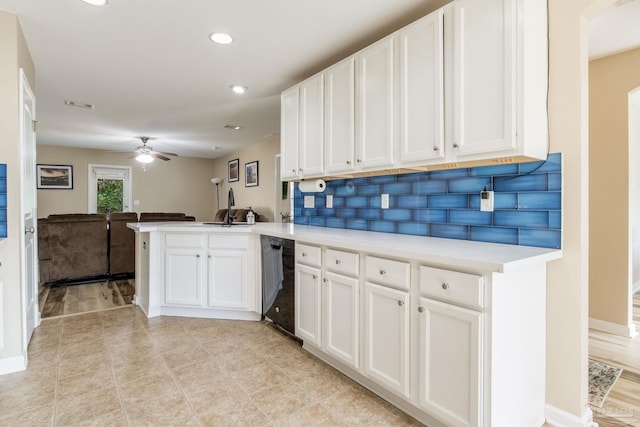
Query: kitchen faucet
230, 202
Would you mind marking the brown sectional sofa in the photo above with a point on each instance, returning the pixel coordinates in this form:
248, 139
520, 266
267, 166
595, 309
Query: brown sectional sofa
77, 247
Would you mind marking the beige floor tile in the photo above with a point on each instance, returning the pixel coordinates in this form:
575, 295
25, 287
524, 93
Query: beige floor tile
312, 415
161, 409
84, 364
232, 412
87, 382
395, 417
281, 401
147, 387
180, 355
357, 407
260, 377
78, 408
92, 344
198, 373
41, 417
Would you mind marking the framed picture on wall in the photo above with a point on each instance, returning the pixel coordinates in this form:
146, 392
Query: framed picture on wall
54, 177
234, 170
251, 174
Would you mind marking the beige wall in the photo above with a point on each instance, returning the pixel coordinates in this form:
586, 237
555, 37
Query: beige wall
261, 198
179, 185
611, 172
14, 54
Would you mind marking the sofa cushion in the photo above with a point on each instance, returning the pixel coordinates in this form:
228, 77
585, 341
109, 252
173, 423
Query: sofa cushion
161, 216
122, 243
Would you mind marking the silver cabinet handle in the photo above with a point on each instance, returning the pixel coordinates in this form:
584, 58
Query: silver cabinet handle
325, 280
144, 245
348, 162
300, 169
436, 148
338, 262
400, 302
209, 256
198, 256
29, 230
359, 160
456, 145
293, 170
304, 254
383, 272
314, 277
421, 309
445, 286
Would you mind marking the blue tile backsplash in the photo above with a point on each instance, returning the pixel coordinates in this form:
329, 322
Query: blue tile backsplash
3, 200
446, 203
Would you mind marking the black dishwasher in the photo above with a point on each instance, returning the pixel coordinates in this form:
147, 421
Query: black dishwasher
278, 281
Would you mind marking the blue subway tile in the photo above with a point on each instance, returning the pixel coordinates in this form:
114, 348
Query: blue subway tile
430, 215
539, 200
469, 185
326, 212
411, 202
346, 190
397, 188
369, 213
301, 220
536, 182
449, 231
494, 235
555, 220
555, 181
500, 201
357, 224
298, 202
317, 221
384, 226
429, 187
413, 228
413, 177
528, 219
309, 212
297, 212
459, 201
319, 201
552, 164
540, 238
396, 214
3, 215
511, 169
3, 230
3, 170
469, 217
296, 191
346, 213
357, 202
368, 190
3, 200
335, 222
449, 173
336, 183
383, 179
339, 202
3, 185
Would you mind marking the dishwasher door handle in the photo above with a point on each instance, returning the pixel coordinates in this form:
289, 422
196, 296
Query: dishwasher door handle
277, 247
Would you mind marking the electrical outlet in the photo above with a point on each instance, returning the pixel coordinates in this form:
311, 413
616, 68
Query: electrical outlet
329, 203
309, 202
486, 201
384, 201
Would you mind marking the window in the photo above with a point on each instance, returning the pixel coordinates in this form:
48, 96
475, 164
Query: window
109, 189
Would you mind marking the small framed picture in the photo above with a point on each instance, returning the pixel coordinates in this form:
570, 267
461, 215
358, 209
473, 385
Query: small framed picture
234, 170
54, 177
251, 174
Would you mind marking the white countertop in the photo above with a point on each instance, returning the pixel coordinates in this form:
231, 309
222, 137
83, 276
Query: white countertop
493, 257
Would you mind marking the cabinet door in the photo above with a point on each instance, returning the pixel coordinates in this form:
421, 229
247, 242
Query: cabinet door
375, 104
184, 277
421, 125
386, 350
341, 314
312, 126
483, 69
340, 116
227, 279
290, 101
308, 300
450, 361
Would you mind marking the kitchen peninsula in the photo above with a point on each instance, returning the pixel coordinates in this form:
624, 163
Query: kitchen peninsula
450, 331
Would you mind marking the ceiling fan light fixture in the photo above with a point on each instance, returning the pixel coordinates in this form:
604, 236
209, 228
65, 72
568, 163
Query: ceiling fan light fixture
221, 38
239, 88
144, 158
96, 2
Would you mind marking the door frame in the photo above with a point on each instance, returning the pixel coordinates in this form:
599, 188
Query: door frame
118, 171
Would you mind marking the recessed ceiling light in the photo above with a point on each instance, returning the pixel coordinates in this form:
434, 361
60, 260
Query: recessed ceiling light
233, 127
239, 88
77, 104
96, 2
221, 38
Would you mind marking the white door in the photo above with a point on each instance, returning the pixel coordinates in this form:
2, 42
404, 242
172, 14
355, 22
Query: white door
341, 314
29, 256
308, 315
184, 278
290, 101
386, 349
450, 362
339, 116
100, 175
376, 98
227, 279
312, 126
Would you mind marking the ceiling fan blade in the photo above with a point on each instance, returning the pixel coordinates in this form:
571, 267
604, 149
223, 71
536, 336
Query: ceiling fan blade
158, 156
167, 154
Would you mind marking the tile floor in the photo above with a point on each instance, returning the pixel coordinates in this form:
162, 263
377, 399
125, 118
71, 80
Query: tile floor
118, 368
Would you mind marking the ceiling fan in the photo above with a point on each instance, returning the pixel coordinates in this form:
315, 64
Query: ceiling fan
146, 154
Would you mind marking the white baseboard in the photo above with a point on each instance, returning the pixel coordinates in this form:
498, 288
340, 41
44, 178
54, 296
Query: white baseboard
628, 331
12, 364
559, 418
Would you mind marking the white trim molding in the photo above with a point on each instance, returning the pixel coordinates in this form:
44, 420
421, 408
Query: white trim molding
559, 418
628, 331
13, 364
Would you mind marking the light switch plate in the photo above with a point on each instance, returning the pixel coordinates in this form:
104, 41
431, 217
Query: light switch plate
384, 201
329, 201
309, 202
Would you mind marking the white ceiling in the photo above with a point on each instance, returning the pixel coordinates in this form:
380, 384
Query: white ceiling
150, 69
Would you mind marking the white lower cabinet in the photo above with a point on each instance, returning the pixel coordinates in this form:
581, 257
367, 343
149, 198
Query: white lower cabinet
341, 317
184, 276
450, 362
227, 278
386, 339
308, 313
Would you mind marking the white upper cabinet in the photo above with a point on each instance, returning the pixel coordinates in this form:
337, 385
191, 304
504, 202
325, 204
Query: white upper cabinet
311, 155
375, 94
289, 123
495, 105
421, 103
339, 122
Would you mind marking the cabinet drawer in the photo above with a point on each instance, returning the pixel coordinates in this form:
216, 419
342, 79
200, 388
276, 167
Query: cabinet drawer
342, 262
388, 272
228, 241
307, 254
452, 286
174, 240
